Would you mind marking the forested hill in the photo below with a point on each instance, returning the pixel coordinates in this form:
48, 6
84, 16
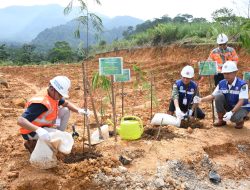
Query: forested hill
113, 29
21, 24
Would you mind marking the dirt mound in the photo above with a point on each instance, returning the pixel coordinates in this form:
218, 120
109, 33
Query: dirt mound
165, 157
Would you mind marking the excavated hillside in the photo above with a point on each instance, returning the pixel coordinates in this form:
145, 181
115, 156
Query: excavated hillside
164, 157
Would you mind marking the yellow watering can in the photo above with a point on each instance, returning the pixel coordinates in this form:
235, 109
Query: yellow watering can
131, 128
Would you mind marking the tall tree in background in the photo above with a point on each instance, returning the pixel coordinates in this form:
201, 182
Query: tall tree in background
84, 20
25, 53
85, 17
61, 52
128, 32
182, 18
3, 53
224, 16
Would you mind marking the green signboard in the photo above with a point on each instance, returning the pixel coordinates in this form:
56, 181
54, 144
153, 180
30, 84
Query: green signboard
110, 66
246, 75
207, 68
123, 77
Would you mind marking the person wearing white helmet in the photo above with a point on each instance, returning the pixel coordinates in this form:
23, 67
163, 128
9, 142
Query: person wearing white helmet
183, 92
231, 97
44, 111
221, 54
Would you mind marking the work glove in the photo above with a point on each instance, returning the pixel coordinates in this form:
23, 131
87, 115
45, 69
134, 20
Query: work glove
197, 100
190, 112
86, 112
227, 116
43, 134
179, 113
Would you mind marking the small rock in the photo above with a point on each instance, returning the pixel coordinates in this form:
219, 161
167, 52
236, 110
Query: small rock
159, 182
118, 179
19, 102
86, 179
122, 169
4, 82
12, 167
107, 170
12, 174
190, 130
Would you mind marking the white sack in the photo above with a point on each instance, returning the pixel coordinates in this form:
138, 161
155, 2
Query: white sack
167, 120
44, 154
95, 136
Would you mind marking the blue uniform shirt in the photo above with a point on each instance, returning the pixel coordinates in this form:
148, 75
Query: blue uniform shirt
186, 92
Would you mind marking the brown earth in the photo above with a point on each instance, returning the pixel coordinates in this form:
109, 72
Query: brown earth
227, 148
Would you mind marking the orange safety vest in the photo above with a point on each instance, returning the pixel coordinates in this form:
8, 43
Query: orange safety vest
221, 56
46, 118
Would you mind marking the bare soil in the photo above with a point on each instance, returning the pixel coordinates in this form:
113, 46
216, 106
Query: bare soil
226, 148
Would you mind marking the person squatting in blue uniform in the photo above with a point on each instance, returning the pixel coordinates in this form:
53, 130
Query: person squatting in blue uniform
231, 97
183, 93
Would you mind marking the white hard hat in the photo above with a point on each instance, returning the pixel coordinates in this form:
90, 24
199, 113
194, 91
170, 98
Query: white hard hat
187, 72
61, 85
229, 67
222, 39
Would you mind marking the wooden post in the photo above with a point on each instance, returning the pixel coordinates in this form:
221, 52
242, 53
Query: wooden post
152, 80
210, 89
113, 105
122, 99
151, 96
86, 123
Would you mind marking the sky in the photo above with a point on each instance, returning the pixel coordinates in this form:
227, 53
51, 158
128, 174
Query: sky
146, 9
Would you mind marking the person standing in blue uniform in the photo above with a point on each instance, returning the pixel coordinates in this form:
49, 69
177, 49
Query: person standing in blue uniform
183, 92
231, 97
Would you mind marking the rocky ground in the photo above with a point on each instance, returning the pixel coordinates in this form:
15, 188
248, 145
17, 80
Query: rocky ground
174, 158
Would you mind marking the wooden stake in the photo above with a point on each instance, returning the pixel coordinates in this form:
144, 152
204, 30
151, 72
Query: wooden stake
122, 99
113, 105
210, 89
86, 123
151, 96
159, 130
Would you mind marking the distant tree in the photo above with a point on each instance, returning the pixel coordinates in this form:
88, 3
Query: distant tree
224, 16
128, 32
38, 57
166, 19
25, 54
102, 43
199, 20
180, 19
188, 17
150, 24
61, 52
143, 27
3, 53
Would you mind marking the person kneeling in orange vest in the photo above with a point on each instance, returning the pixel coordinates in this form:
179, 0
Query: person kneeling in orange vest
43, 111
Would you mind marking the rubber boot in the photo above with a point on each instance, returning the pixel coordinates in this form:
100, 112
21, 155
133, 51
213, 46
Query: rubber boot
30, 145
246, 118
220, 120
239, 125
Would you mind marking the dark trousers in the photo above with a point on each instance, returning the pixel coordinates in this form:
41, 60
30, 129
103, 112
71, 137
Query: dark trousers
222, 107
184, 108
218, 78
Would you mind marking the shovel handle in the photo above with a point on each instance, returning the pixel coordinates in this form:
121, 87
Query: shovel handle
74, 128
